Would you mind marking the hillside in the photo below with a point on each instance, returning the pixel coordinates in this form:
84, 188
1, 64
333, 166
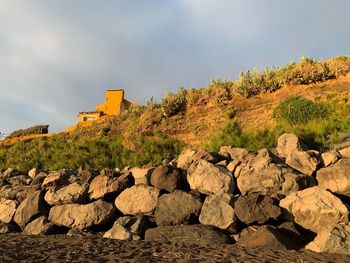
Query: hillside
238, 113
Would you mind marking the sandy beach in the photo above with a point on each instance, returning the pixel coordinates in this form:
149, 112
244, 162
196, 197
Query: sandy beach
62, 248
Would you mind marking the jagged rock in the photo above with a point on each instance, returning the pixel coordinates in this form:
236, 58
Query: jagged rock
208, 178
345, 153
33, 172
188, 156
266, 174
256, 208
330, 157
55, 179
305, 162
110, 172
335, 177
39, 226
315, 208
31, 207
103, 185
10, 192
232, 167
139, 199
218, 211
176, 208
265, 237
142, 175
199, 234
7, 209
335, 239
8, 173
39, 178
86, 176
72, 193
82, 216
288, 143
19, 180
128, 228
7, 228
166, 177
240, 155
25, 191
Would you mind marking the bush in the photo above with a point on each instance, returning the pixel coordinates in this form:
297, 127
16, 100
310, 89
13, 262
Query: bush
172, 104
298, 110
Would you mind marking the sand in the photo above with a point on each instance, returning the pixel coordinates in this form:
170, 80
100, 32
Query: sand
62, 248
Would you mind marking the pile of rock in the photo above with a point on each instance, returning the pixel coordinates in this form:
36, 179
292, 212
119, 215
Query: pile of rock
289, 197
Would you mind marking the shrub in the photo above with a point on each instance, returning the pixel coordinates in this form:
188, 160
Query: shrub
298, 110
172, 104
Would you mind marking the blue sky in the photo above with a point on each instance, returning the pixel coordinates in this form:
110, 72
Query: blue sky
57, 57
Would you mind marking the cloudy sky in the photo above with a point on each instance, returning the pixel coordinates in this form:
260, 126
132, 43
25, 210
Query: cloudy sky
57, 57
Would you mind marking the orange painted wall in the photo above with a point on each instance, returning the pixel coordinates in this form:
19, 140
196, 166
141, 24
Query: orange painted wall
113, 103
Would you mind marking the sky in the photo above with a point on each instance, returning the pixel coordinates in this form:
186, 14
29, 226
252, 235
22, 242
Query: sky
57, 57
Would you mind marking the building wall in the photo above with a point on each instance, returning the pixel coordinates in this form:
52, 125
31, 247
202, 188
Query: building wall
113, 103
88, 116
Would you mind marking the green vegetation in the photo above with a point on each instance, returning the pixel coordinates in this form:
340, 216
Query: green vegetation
58, 152
311, 121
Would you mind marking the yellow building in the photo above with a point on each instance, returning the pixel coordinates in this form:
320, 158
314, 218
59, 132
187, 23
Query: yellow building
113, 106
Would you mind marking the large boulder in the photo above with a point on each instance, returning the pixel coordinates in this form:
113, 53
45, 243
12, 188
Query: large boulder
189, 156
104, 186
10, 192
142, 175
305, 162
335, 177
240, 155
72, 193
19, 180
335, 239
128, 228
330, 157
55, 179
198, 234
166, 177
345, 153
82, 216
176, 208
209, 179
39, 226
315, 208
267, 237
7, 209
288, 143
256, 208
139, 199
218, 211
31, 207
267, 174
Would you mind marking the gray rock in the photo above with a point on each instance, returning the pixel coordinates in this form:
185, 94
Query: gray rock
55, 179
188, 156
82, 216
7, 209
142, 175
72, 193
305, 162
39, 226
166, 177
256, 208
176, 208
288, 143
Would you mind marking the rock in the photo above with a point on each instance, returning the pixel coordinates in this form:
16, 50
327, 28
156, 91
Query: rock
33, 206
55, 179
305, 162
19, 180
79, 233
33, 172
315, 208
188, 156
86, 176
166, 177
7, 209
335, 177
39, 178
330, 157
142, 175
8, 173
267, 175
7, 228
139, 199
25, 191
128, 228
218, 211
208, 178
256, 208
177, 208
267, 237
342, 138
110, 172
105, 186
39, 226
345, 153
10, 192
335, 239
82, 216
198, 234
72, 193
232, 167
240, 155
288, 143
